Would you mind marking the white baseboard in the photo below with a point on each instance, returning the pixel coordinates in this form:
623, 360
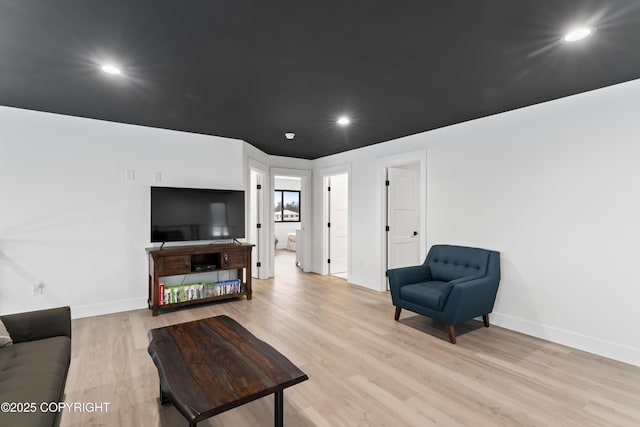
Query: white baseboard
611, 350
109, 307
364, 282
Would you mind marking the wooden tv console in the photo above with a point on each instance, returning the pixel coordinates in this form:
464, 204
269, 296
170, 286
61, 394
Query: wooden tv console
181, 260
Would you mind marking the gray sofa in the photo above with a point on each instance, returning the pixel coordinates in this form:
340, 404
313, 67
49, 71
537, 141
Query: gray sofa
34, 369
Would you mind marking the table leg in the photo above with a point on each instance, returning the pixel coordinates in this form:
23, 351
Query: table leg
279, 408
163, 398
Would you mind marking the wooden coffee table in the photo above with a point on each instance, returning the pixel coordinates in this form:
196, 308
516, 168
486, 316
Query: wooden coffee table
212, 365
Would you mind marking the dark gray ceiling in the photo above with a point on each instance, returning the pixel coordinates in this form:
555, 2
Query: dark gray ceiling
254, 69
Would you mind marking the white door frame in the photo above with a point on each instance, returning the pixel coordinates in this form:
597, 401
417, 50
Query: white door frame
411, 157
263, 217
305, 214
325, 174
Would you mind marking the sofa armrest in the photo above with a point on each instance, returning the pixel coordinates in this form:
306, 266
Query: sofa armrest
36, 325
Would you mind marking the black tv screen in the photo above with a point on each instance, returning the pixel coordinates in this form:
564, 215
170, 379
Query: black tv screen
191, 214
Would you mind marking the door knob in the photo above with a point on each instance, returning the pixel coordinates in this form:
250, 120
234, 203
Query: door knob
415, 233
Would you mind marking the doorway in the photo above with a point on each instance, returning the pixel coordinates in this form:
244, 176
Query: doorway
337, 224
287, 223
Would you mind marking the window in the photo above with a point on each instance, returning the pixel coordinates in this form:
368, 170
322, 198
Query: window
287, 206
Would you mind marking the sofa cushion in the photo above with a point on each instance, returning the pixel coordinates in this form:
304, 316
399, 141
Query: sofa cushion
34, 371
427, 294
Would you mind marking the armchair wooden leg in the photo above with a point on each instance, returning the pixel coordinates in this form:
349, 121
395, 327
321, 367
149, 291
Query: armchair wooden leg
397, 316
452, 333
485, 319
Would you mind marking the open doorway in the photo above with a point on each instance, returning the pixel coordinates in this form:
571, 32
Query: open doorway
287, 223
336, 222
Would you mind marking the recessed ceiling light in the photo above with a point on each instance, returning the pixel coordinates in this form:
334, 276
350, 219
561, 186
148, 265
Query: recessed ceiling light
577, 34
343, 121
111, 69
289, 135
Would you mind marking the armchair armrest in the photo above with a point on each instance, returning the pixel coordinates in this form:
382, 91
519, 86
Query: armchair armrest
470, 298
398, 277
407, 275
36, 325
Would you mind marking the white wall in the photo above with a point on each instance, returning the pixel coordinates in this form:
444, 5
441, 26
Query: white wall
71, 219
555, 188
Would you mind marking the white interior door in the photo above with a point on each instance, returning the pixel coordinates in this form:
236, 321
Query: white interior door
339, 219
403, 217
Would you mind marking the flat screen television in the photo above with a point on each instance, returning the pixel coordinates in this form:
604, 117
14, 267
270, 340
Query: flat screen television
194, 214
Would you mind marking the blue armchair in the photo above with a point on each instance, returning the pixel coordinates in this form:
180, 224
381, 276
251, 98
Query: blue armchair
454, 284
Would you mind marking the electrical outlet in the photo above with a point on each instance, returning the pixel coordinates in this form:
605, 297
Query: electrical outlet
38, 288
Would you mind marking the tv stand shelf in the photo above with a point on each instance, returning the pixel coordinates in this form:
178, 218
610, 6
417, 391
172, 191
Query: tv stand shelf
179, 260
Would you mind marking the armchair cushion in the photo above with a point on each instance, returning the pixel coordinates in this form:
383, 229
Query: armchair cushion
427, 294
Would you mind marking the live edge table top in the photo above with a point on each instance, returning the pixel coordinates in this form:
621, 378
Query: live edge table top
212, 365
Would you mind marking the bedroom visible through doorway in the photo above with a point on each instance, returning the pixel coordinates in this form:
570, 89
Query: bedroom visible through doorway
287, 220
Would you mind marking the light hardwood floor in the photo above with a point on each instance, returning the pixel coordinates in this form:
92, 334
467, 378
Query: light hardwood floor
365, 368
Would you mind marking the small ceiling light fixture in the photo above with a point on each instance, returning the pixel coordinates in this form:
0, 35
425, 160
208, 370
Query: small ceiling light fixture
578, 33
343, 121
289, 135
111, 69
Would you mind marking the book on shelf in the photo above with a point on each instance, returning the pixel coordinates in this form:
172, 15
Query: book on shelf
161, 294
196, 291
225, 287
